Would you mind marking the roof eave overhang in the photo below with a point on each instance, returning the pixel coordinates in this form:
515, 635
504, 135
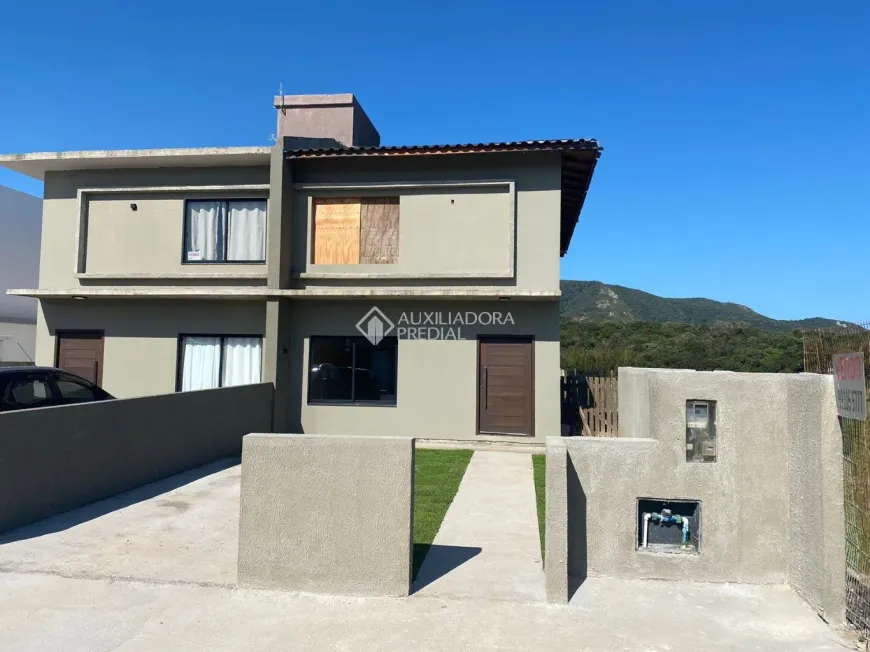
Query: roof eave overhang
577, 174
37, 164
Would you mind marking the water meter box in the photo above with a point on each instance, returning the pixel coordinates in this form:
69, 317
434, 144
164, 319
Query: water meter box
700, 431
669, 526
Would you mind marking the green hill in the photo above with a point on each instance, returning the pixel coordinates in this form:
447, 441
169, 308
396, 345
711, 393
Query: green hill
598, 302
609, 326
590, 346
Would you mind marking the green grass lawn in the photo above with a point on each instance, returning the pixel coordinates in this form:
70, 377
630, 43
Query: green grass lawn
539, 466
437, 475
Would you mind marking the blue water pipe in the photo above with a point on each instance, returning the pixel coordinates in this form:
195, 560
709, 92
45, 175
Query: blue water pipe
666, 517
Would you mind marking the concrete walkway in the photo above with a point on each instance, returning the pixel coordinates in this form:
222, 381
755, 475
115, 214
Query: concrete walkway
47, 612
488, 546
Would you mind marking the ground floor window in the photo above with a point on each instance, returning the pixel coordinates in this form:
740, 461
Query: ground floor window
352, 370
209, 361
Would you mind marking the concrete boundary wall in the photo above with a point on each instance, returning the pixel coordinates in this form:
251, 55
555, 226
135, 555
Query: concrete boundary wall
771, 503
59, 458
816, 530
327, 514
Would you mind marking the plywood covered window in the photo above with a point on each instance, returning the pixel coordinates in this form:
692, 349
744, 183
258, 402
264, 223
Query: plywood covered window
354, 230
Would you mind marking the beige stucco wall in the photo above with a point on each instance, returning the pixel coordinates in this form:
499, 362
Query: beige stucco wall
338, 117
471, 236
437, 379
137, 247
149, 239
440, 232
141, 336
314, 517
771, 504
458, 234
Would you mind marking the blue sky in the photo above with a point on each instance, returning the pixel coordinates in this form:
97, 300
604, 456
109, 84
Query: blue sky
736, 134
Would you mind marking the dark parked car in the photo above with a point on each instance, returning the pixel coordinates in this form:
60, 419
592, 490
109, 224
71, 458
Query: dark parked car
33, 387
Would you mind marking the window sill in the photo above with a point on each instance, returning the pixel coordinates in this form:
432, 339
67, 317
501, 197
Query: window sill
172, 275
353, 403
408, 276
223, 262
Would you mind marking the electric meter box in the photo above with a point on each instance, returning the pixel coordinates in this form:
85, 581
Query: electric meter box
700, 431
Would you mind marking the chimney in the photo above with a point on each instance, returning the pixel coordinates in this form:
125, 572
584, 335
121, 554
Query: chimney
325, 121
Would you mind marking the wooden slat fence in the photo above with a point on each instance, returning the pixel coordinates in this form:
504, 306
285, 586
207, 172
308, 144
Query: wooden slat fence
590, 403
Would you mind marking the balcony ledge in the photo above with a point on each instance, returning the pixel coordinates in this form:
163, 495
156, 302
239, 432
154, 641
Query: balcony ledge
139, 292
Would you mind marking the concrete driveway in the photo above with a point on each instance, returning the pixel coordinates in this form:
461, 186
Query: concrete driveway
184, 529
154, 569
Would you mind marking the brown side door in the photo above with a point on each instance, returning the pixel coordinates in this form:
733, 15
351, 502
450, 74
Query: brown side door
506, 387
81, 353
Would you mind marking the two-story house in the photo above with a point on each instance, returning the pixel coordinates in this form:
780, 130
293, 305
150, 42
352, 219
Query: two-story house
408, 291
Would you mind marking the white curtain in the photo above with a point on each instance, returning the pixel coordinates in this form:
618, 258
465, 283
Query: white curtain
247, 227
242, 361
202, 359
204, 226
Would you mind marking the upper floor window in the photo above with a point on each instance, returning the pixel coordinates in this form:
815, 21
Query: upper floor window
352, 231
221, 231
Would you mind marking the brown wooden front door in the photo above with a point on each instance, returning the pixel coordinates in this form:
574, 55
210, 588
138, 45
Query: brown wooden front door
81, 353
506, 387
